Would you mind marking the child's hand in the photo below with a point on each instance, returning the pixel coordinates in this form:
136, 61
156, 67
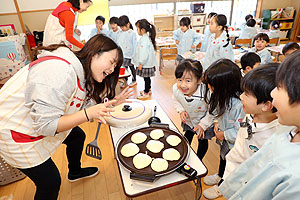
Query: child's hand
220, 135
183, 116
121, 98
216, 128
100, 111
198, 129
140, 67
177, 41
77, 31
194, 46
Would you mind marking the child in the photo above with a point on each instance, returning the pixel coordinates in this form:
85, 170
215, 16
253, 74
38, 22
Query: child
290, 48
219, 43
144, 56
260, 123
273, 172
100, 21
127, 42
207, 33
114, 28
186, 38
261, 40
188, 99
249, 61
223, 79
243, 25
249, 31
275, 31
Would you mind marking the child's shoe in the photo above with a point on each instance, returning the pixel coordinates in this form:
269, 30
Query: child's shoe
212, 179
132, 84
212, 193
150, 92
143, 95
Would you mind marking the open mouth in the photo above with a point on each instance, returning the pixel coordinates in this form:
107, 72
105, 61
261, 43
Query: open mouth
105, 74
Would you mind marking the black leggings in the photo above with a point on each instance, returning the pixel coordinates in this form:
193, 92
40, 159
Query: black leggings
147, 84
202, 143
46, 176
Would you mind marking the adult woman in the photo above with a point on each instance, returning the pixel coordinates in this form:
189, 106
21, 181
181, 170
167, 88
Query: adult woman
41, 107
61, 23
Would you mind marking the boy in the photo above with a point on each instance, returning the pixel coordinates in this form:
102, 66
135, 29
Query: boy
249, 61
273, 172
243, 25
114, 28
259, 124
261, 40
249, 31
290, 48
100, 21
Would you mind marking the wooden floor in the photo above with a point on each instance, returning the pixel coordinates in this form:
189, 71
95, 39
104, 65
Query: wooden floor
107, 184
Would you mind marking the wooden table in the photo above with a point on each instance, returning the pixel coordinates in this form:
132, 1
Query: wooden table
135, 188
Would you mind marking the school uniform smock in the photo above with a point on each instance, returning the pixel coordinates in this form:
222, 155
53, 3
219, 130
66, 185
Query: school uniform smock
60, 26
248, 33
114, 35
243, 26
248, 142
94, 32
264, 55
186, 40
32, 102
229, 122
195, 106
145, 55
207, 34
274, 34
127, 41
271, 173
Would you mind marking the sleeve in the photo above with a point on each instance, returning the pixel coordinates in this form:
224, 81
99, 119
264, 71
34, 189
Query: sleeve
178, 107
235, 116
45, 109
143, 53
134, 42
206, 121
288, 189
266, 57
68, 18
93, 32
196, 38
176, 35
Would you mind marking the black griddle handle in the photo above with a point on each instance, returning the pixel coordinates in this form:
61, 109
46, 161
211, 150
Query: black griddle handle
159, 125
142, 177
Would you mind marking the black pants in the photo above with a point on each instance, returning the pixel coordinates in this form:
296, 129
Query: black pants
133, 72
147, 84
202, 143
46, 176
222, 166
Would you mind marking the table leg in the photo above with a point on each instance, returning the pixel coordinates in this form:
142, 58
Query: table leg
198, 189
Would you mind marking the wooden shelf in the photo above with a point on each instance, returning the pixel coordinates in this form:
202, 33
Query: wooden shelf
282, 39
280, 19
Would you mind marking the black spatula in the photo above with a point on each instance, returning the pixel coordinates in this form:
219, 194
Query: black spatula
92, 149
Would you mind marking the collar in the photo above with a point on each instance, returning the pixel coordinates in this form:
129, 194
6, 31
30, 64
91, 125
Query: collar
198, 94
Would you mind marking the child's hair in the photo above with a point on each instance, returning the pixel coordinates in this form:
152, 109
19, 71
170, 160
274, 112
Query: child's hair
144, 24
123, 21
275, 24
290, 46
248, 17
101, 18
189, 65
221, 20
251, 22
224, 76
261, 36
113, 20
210, 15
249, 59
185, 21
287, 76
260, 82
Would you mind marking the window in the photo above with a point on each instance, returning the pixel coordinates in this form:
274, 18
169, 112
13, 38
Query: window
241, 9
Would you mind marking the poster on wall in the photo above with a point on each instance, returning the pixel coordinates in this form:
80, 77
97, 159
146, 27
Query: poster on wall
99, 7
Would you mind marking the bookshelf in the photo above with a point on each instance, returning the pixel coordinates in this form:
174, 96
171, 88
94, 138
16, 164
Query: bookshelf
296, 31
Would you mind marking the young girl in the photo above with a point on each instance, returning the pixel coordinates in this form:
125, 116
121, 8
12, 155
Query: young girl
43, 104
219, 43
223, 79
207, 33
144, 56
114, 28
274, 29
188, 99
127, 41
186, 38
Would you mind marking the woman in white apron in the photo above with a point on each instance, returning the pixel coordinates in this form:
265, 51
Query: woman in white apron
42, 105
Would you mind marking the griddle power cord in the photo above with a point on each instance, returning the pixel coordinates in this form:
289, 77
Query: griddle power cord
198, 189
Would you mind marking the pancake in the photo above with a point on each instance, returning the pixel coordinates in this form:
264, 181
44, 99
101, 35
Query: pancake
159, 165
173, 140
171, 154
156, 134
129, 150
138, 138
155, 146
141, 160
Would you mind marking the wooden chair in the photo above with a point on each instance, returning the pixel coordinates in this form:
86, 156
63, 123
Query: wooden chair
198, 47
166, 54
274, 41
243, 42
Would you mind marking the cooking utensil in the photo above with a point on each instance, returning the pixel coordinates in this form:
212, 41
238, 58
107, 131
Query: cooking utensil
154, 119
92, 149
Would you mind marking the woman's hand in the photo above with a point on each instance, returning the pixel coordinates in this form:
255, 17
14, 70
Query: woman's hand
177, 41
100, 111
198, 129
123, 96
183, 116
140, 67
